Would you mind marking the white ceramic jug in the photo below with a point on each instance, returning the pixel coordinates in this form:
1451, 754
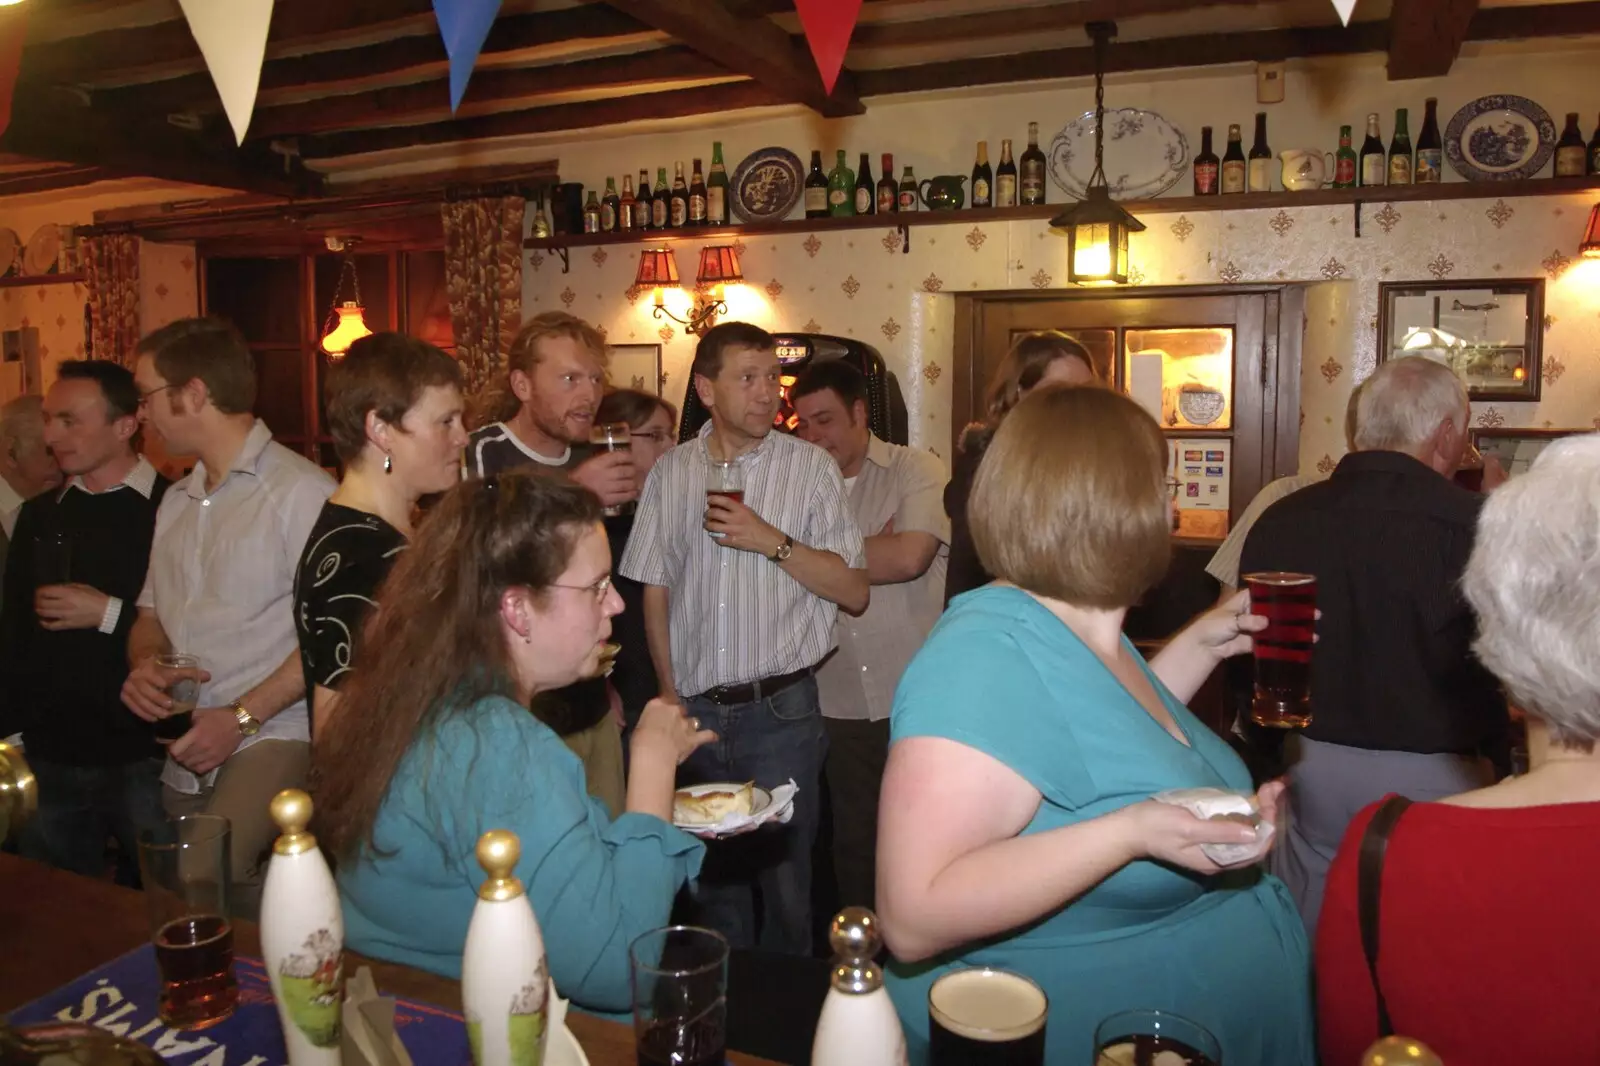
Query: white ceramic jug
1305, 168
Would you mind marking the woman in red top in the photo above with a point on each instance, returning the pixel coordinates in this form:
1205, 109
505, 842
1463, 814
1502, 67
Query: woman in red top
1488, 937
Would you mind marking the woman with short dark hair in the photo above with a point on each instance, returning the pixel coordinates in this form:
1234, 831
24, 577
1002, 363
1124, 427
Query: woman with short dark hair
394, 411
1017, 828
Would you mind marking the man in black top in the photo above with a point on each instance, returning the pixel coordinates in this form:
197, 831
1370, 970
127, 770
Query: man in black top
1398, 702
63, 642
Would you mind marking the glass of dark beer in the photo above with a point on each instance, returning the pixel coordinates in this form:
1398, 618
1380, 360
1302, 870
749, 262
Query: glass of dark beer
185, 870
986, 1017
184, 693
680, 996
612, 437
1288, 602
1142, 1037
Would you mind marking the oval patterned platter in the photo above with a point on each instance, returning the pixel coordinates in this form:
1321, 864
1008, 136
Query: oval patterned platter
1500, 138
767, 185
1145, 155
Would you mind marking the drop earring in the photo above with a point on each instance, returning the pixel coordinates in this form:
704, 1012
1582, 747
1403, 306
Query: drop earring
388, 465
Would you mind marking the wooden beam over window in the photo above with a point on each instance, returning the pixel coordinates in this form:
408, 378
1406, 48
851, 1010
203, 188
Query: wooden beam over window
1425, 36
752, 45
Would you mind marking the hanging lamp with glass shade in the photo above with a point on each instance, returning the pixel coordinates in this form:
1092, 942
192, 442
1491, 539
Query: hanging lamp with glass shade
1097, 227
345, 324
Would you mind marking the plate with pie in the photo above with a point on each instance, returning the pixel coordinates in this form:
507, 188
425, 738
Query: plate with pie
721, 808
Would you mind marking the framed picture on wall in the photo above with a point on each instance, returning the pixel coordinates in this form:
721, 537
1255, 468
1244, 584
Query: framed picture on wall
1489, 332
636, 366
1516, 449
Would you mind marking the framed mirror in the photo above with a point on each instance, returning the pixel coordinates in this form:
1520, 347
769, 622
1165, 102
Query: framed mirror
1489, 332
1516, 449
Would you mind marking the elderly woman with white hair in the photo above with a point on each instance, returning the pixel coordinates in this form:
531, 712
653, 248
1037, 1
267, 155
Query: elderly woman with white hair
1483, 904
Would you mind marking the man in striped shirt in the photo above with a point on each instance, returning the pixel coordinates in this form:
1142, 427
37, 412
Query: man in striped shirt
740, 602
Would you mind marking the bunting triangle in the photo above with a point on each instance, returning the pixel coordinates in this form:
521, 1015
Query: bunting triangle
1346, 8
464, 25
828, 25
232, 35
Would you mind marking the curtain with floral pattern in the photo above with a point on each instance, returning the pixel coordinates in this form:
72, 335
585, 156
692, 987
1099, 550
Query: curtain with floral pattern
111, 275
483, 271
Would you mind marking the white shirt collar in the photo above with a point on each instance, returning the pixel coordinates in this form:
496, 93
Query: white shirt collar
141, 479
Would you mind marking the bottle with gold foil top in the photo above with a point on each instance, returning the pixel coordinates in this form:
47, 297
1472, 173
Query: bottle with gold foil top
1400, 1051
302, 936
505, 986
858, 1025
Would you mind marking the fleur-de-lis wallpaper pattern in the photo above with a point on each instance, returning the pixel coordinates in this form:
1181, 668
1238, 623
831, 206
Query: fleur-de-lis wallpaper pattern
844, 283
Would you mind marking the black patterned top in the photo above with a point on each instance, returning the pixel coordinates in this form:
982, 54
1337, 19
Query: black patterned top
346, 558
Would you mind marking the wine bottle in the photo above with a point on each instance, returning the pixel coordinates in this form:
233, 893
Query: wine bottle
697, 196
1373, 163
717, 189
1344, 162
841, 188
1594, 150
866, 196
1260, 165
1429, 156
609, 205
591, 213
816, 189
1572, 154
1234, 177
982, 178
661, 205
888, 191
641, 206
1400, 161
908, 191
541, 222
625, 206
1033, 188
1005, 177
679, 204
302, 936
1207, 166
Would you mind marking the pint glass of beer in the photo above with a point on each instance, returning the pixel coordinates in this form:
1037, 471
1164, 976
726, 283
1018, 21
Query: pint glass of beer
726, 478
1288, 602
612, 437
984, 1017
1140, 1036
680, 997
185, 870
184, 693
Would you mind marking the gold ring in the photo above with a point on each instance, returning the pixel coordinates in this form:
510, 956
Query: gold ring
694, 724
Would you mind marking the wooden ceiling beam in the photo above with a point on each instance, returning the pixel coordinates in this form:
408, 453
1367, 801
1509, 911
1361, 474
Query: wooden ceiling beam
675, 103
1019, 21
422, 53
429, 101
1425, 36
67, 177
753, 46
1537, 21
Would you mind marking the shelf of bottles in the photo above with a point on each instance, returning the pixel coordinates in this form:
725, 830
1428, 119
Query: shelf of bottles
697, 207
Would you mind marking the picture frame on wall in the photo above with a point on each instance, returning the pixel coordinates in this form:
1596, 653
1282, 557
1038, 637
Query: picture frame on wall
1516, 449
1491, 332
635, 366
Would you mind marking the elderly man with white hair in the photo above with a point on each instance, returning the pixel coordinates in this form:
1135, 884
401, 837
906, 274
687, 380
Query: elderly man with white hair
1398, 702
1487, 898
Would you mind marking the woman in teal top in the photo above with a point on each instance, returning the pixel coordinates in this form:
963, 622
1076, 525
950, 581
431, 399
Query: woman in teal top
505, 592
1028, 737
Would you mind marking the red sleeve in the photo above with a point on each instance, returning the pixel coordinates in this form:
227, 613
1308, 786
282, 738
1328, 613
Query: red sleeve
1347, 1013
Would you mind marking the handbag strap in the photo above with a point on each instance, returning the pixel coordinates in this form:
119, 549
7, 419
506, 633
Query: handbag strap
1374, 845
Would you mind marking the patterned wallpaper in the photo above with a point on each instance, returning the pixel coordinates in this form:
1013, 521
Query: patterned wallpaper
861, 284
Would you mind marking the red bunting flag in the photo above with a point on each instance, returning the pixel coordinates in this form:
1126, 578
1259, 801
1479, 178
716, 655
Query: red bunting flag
13, 30
828, 25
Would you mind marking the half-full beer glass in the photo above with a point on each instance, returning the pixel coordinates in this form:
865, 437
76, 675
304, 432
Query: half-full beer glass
184, 693
1288, 602
185, 867
985, 1017
613, 437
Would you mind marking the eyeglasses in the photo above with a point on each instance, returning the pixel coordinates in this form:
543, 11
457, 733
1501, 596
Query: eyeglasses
144, 397
598, 589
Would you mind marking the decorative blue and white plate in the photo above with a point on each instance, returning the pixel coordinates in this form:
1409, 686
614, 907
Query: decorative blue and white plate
1145, 155
1500, 138
767, 185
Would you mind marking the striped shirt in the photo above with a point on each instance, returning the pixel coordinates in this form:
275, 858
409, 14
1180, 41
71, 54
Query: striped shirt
494, 449
736, 616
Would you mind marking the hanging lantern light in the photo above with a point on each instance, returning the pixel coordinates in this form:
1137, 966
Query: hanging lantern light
1590, 248
345, 324
1096, 227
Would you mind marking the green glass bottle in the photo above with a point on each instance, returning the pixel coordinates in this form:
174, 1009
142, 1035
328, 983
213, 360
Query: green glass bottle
841, 189
1344, 162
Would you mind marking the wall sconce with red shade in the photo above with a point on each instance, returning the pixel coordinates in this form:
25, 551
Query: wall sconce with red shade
719, 266
1590, 248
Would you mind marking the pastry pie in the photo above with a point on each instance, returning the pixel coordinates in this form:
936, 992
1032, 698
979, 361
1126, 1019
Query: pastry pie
710, 808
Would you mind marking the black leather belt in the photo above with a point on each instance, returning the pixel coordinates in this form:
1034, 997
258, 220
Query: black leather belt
751, 691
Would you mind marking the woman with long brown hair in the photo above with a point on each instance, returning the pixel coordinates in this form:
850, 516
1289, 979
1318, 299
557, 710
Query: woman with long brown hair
505, 593
1036, 359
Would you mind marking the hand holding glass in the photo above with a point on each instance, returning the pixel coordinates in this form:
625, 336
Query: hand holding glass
184, 691
1288, 601
612, 437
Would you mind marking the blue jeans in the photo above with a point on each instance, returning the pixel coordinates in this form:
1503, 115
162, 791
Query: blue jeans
768, 741
80, 806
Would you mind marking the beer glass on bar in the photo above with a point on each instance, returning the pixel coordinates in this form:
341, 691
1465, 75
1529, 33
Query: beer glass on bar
185, 869
1141, 1036
1288, 602
613, 437
680, 997
184, 693
985, 1017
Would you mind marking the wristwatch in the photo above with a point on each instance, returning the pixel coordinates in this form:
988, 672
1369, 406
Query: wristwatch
784, 550
249, 724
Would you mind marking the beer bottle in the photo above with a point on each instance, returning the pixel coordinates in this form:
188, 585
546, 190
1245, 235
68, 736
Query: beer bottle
1032, 176
816, 188
697, 197
1005, 178
888, 191
866, 200
609, 205
717, 189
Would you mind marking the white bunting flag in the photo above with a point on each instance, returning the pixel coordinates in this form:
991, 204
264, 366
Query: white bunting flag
1346, 8
232, 35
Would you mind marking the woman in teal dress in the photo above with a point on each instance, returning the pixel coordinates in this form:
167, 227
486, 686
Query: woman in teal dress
1028, 737
505, 592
